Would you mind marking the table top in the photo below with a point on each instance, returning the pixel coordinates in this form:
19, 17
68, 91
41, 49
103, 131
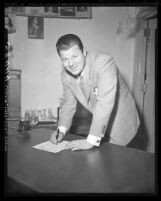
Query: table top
107, 169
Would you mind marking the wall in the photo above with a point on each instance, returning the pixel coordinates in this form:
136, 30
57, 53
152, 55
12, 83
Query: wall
39, 62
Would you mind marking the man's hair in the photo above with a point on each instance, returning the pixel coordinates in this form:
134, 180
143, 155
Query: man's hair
67, 41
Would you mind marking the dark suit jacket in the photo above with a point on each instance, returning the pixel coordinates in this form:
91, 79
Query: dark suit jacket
108, 99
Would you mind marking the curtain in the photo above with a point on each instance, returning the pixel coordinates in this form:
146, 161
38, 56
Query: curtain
136, 16
146, 12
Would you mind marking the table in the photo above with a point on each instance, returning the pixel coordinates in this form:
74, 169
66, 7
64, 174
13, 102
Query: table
107, 169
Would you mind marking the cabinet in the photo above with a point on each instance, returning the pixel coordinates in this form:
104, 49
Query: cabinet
14, 94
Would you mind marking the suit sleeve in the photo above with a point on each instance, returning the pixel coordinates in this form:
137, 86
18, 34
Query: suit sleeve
106, 86
68, 106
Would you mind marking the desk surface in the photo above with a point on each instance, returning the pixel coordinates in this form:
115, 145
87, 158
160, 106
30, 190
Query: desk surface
107, 169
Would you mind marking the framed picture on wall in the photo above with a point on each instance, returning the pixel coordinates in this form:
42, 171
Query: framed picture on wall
10, 23
67, 11
83, 12
53, 12
35, 27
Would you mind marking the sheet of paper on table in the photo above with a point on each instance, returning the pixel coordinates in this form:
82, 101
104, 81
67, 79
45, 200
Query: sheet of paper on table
50, 147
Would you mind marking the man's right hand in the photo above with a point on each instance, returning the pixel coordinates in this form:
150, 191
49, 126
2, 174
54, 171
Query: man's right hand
56, 137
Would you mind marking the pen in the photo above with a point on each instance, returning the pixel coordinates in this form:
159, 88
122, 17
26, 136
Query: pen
57, 135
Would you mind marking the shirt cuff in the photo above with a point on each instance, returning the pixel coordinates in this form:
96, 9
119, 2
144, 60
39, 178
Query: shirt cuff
62, 129
94, 140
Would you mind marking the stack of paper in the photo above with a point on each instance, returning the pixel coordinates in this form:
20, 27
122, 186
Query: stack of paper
50, 147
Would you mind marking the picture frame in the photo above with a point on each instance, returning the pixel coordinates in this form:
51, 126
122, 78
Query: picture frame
67, 12
83, 12
10, 23
35, 27
52, 12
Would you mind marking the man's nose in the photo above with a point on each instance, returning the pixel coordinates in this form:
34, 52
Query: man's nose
70, 62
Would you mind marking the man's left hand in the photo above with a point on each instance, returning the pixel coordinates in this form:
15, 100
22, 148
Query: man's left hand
78, 145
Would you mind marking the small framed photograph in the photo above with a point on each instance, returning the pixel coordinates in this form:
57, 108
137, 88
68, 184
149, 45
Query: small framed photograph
67, 11
51, 11
83, 12
35, 27
81, 9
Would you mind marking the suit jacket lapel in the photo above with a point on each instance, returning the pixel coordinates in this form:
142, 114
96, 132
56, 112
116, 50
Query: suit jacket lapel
88, 77
78, 93
89, 83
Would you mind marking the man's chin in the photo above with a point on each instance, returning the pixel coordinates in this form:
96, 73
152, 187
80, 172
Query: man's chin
74, 74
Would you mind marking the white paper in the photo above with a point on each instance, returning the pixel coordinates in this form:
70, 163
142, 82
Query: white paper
50, 147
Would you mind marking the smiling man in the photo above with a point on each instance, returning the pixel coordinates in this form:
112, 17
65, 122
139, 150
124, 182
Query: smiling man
92, 78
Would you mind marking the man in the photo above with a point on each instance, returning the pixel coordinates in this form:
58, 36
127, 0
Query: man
104, 94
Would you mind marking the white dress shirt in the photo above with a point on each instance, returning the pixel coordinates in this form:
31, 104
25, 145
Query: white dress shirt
94, 140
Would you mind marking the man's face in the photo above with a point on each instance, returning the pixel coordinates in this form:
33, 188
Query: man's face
73, 59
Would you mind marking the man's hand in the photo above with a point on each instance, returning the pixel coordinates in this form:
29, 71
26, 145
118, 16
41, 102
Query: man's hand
78, 145
56, 137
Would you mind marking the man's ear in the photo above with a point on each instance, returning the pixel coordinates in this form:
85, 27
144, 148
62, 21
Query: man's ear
84, 52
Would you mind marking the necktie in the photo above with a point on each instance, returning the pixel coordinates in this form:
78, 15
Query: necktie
81, 83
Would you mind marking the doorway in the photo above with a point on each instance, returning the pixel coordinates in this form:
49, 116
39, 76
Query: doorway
144, 82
